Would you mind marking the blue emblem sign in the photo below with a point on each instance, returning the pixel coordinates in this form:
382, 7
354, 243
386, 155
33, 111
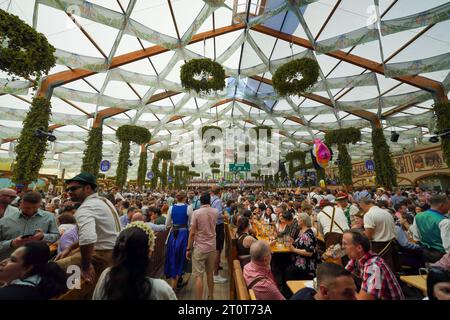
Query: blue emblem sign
105, 165
150, 175
169, 179
370, 165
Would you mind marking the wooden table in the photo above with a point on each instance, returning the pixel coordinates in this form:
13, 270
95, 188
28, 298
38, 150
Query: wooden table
274, 248
418, 281
296, 285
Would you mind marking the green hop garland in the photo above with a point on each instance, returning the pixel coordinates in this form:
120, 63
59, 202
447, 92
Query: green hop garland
284, 80
442, 112
24, 52
214, 71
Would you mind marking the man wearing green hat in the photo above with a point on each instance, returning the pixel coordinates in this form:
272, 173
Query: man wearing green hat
98, 228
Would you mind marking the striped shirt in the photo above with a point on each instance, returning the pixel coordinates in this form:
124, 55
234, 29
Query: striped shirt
377, 279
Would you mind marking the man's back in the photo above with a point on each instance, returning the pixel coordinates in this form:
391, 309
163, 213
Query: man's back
382, 222
265, 288
205, 220
340, 221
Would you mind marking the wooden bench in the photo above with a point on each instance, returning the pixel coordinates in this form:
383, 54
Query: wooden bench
231, 255
84, 293
156, 268
252, 295
241, 286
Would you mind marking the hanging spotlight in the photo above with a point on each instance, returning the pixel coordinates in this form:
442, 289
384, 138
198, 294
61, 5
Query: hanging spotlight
394, 136
130, 163
435, 139
41, 134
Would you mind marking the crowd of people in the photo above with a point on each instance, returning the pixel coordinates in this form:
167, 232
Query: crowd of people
373, 237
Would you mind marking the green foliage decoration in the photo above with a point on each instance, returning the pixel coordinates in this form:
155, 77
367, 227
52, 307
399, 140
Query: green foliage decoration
386, 175
24, 52
92, 155
442, 112
285, 80
206, 128
171, 174
342, 137
127, 134
260, 128
164, 155
122, 164
30, 150
212, 76
295, 155
142, 169
155, 165
164, 175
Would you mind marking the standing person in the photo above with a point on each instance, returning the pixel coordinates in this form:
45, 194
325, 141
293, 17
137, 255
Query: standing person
28, 224
216, 203
98, 227
397, 197
331, 222
126, 218
378, 281
178, 218
202, 237
379, 227
127, 278
349, 209
7, 196
432, 229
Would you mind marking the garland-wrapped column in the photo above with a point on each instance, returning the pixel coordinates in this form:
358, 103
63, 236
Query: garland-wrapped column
164, 175
386, 175
92, 155
122, 165
142, 169
155, 163
442, 112
30, 149
171, 174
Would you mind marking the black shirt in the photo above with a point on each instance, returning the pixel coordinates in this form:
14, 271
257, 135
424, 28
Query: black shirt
19, 292
304, 294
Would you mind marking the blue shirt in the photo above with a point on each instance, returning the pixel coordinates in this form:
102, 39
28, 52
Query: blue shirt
397, 199
124, 220
402, 239
216, 203
17, 224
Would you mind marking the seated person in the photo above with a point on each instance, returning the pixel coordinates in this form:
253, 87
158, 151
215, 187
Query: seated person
438, 284
157, 217
378, 281
138, 216
28, 224
304, 249
29, 276
291, 229
66, 222
127, 279
257, 273
244, 241
333, 283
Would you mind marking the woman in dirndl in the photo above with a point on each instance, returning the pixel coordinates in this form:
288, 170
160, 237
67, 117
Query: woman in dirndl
178, 218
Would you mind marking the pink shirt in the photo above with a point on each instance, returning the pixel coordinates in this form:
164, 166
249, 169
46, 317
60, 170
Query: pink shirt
204, 223
265, 289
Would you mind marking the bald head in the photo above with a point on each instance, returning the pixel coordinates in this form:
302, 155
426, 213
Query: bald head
7, 196
138, 217
259, 251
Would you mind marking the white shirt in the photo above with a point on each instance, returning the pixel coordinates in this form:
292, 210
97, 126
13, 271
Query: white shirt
316, 196
9, 210
118, 196
382, 222
160, 288
324, 222
169, 215
98, 223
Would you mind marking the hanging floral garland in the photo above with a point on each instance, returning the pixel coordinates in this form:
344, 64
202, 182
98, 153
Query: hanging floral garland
295, 77
203, 76
24, 52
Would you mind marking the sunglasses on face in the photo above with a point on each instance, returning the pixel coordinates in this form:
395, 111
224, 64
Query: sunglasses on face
73, 189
